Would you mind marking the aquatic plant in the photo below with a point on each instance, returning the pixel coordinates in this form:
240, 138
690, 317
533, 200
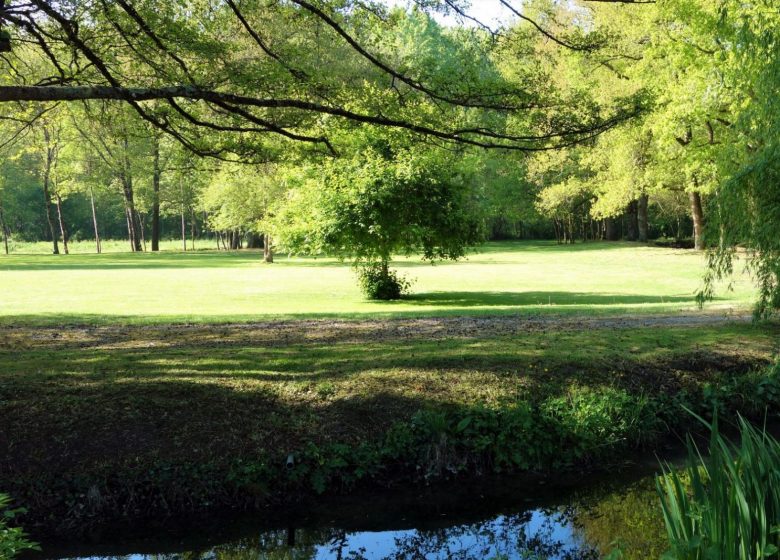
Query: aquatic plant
725, 506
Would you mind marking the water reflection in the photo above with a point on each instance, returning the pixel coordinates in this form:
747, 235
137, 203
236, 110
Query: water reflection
504, 520
531, 535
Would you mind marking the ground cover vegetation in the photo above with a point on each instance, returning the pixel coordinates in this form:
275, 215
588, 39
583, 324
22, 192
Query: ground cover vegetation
349, 133
118, 421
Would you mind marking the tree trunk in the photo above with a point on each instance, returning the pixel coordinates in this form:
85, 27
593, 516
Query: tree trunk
156, 173
63, 229
133, 223
235, 240
141, 230
49, 218
698, 220
4, 227
183, 222
94, 220
268, 252
47, 192
129, 227
632, 218
642, 221
192, 228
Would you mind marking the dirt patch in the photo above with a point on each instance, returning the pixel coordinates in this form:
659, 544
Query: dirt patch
327, 331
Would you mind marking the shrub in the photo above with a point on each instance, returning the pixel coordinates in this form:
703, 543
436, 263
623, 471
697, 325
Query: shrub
12, 539
378, 282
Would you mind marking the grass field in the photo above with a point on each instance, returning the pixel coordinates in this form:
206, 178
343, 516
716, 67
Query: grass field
212, 286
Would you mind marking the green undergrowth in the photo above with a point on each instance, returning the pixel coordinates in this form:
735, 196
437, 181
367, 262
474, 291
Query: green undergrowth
580, 429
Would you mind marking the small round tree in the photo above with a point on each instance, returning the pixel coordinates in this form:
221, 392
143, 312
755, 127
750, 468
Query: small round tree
379, 203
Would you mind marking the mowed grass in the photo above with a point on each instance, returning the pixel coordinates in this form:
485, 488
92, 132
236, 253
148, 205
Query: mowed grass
213, 286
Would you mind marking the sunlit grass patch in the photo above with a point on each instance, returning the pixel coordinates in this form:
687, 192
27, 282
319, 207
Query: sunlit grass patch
210, 286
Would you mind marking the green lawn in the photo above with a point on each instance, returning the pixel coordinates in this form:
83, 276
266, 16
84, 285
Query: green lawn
212, 286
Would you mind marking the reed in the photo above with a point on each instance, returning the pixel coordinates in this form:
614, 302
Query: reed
726, 505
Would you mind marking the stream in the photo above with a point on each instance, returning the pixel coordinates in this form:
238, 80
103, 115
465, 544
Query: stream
577, 517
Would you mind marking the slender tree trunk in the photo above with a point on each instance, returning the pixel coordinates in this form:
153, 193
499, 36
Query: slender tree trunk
156, 173
183, 223
63, 229
141, 230
133, 223
642, 221
268, 251
132, 214
47, 192
697, 213
192, 228
129, 228
183, 230
94, 220
4, 227
49, 217
632, 229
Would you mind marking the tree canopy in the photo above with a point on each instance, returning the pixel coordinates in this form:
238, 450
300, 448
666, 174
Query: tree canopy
364, 122
236, 77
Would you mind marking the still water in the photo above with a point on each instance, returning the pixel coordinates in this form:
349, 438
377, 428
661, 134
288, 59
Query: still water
579, 519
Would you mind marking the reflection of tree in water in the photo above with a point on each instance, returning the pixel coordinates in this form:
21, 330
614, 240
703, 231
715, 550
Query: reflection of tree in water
522, 536
506, 537
632, 516
510, 536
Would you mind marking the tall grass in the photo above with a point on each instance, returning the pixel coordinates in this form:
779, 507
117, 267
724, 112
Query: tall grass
725, 506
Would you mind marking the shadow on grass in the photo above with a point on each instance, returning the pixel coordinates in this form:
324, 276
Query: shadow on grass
522, 299
126, 400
